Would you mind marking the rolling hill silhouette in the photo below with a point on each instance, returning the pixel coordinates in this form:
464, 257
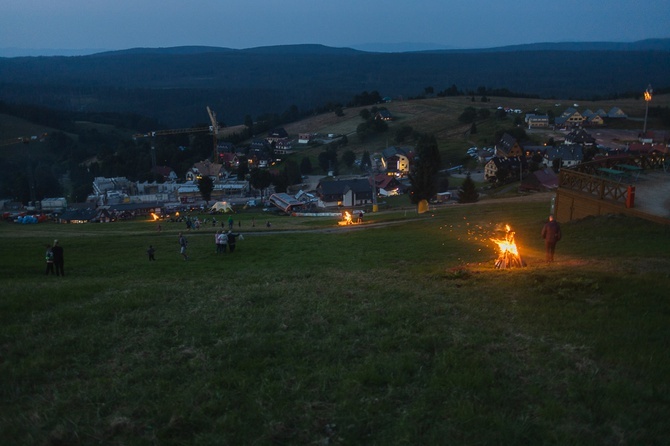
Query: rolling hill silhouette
173, 85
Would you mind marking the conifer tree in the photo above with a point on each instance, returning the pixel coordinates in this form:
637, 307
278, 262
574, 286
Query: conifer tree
423, 176
206, 186
467, 193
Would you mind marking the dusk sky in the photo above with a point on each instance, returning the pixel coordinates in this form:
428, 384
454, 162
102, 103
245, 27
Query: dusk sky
27, 25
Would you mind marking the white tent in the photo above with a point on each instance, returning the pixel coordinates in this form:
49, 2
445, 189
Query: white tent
221, 206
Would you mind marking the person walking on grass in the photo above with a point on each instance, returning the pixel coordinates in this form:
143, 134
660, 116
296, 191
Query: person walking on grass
59, 259
151, 252
50, 261
551, 233
183, 243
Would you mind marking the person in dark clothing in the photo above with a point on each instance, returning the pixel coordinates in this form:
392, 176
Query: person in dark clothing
59, 260
551, 233
151, 252
231, 240
50, 261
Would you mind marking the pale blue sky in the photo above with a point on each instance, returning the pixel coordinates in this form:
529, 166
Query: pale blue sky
121, 24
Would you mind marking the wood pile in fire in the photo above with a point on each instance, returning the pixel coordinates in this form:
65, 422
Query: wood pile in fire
508, 253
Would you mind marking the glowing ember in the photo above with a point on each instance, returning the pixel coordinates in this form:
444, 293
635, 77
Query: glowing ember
508, 252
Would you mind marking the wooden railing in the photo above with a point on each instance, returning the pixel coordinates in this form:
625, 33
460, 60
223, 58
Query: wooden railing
646, 162
600, 187
584, 191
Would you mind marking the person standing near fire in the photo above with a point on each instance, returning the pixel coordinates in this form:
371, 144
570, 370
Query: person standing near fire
551, 233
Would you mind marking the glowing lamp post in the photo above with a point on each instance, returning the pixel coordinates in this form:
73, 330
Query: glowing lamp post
647, 99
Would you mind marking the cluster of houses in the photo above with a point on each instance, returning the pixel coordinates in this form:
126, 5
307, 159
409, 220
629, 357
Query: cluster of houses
513, 158
119, 198
572, 118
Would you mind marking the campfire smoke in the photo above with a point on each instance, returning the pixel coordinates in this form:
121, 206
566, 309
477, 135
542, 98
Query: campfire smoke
508, 252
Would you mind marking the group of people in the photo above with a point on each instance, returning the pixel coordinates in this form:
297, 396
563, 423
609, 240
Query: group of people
224, 240
55, 260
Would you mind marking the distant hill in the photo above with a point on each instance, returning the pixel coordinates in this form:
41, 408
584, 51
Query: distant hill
192, 50
399, 47
641, 45
403, 47
174, 85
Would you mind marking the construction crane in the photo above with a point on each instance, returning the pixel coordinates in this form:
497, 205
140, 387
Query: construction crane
23, 140
213, 129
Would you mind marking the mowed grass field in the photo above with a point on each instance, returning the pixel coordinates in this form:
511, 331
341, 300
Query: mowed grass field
401, 333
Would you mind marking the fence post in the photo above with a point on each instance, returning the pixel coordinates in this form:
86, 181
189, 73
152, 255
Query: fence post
630, 197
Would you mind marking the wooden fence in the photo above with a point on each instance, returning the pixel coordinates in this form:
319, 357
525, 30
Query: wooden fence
583, 191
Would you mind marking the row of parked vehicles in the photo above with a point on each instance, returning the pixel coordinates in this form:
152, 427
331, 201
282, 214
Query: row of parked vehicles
474, 151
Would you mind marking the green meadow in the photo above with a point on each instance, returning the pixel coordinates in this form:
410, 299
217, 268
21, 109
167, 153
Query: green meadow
399, 331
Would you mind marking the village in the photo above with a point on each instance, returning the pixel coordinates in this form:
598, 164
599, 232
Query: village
578, 137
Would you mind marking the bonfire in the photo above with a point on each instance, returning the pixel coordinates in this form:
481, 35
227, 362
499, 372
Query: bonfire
508, 252
346, 219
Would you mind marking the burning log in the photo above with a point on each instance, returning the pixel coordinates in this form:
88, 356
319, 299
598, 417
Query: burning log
346, 219
508, 256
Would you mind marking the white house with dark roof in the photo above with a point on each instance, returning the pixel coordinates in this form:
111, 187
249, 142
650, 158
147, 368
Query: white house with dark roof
355, 192
205, 168
580, 136
569, 154
534, 121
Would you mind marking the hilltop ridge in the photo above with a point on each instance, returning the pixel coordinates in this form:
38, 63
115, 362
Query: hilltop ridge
173, 85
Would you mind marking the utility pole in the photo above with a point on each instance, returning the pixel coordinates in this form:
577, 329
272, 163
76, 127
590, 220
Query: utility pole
373, 182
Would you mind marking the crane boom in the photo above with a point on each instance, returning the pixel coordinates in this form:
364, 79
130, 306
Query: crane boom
215, 123
172, 132
213, 129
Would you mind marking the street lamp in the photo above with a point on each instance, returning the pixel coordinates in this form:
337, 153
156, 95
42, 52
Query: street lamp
647, 99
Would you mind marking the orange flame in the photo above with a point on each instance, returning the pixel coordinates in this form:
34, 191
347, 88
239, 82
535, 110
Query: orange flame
155, 217
508, 252
647, 95
347, 217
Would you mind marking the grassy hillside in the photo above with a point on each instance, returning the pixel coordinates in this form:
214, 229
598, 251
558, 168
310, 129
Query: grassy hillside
401, 334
